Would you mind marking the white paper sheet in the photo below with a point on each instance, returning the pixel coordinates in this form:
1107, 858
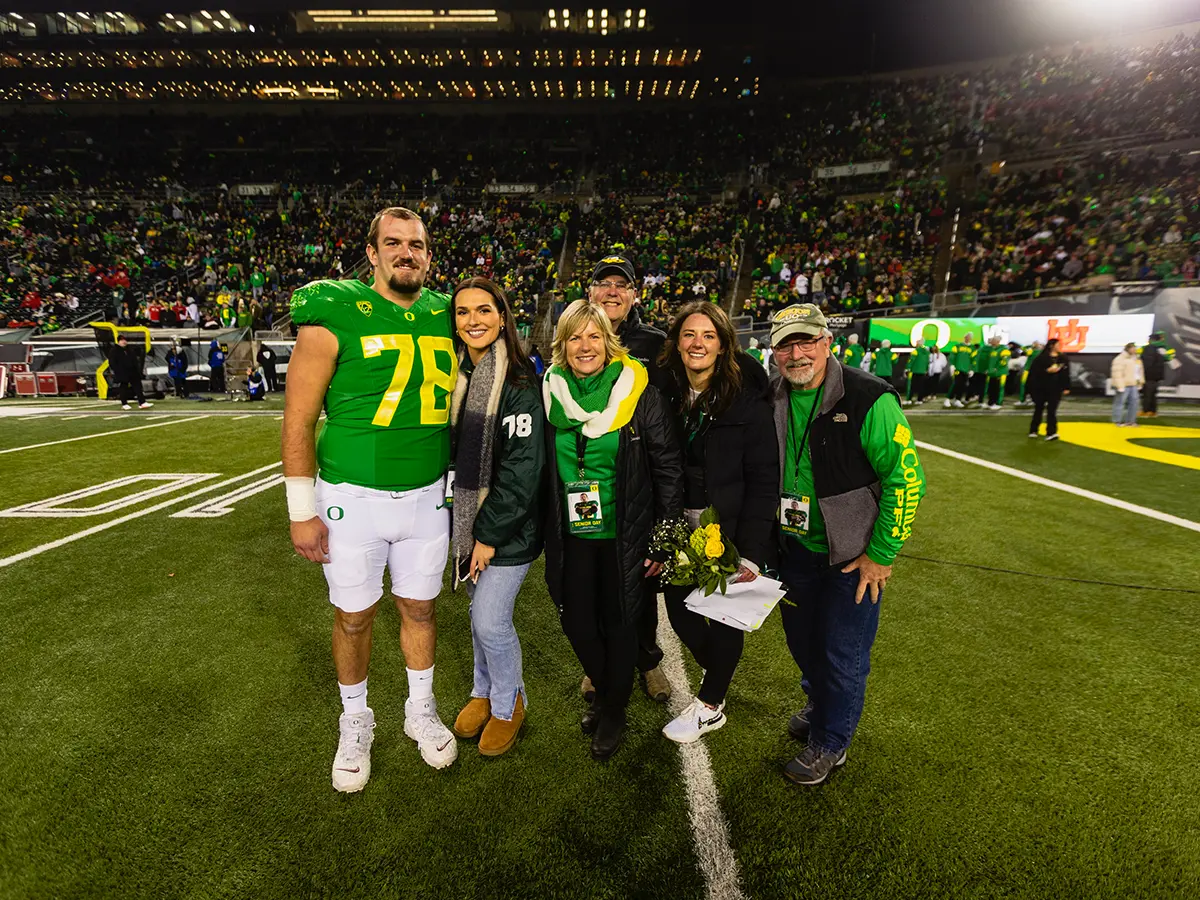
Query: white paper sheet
746, 605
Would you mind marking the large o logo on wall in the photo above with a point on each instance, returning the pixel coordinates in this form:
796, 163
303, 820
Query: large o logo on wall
942, 327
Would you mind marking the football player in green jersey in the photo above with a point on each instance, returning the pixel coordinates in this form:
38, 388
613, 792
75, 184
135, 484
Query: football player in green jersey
997, 372
960, 356
1031, 354
917, 373
370, 493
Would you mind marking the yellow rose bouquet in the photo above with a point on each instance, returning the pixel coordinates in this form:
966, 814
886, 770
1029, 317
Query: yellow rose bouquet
704, 557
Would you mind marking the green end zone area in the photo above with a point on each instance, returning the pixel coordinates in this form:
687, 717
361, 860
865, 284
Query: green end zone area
170, 708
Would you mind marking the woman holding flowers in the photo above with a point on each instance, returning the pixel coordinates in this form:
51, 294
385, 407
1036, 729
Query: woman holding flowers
615, 471
727, 438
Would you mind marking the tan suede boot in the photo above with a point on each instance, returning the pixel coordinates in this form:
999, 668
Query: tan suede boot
473, 718
657, 685
499, 736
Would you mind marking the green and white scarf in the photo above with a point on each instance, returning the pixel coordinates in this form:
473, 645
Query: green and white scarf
597, 407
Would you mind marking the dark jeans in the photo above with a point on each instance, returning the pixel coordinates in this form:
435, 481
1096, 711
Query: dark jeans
272, 378
181, 389
1048, 402
958, 388
591, 619
830, 637
1150, 397
216, 379
716, 647
995, 394
978, 386
131, 388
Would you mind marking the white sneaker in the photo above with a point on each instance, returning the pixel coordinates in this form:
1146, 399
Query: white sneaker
145, 405
126, 406
697, 720
959, 404
434, 740
946, 404
994, 406
352, 765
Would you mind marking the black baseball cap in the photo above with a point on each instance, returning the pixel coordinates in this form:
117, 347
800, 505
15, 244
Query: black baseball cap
614, 263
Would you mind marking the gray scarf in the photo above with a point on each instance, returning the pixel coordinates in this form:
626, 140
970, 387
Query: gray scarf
480, 394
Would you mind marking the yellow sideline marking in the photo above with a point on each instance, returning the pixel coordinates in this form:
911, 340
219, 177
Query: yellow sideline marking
1111, 439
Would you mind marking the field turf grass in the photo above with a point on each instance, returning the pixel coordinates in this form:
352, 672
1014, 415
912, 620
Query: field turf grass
169, 706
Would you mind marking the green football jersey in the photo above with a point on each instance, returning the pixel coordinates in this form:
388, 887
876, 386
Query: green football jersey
881, 363
960, 355
1031, 354
998, 365
918, 360
983, 358
854, 355
388, 405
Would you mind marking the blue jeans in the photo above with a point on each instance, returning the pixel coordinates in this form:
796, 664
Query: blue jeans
1125, 406
830, 637
498, 675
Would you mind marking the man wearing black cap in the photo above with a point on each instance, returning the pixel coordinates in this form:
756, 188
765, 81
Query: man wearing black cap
613, 289
125, 363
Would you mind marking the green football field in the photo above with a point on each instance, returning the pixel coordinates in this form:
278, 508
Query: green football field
169, 704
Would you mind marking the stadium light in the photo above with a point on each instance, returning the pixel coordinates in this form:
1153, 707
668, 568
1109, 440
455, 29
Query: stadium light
552, 14
226, 15
206, 14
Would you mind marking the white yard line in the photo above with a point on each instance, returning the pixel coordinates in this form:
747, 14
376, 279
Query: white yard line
1066, 488
239, 418
72, 418
87, 437
709, 830
120, 520
119, 416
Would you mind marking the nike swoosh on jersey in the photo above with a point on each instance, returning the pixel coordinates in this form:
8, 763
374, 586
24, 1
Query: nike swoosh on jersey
436, 312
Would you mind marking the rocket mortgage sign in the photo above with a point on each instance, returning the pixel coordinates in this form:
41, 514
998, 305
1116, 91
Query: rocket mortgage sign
1076, 334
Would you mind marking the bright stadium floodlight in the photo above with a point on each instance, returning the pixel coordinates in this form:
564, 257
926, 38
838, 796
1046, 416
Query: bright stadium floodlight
206, 14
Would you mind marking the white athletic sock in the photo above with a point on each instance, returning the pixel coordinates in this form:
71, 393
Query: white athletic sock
420, 684
354, 697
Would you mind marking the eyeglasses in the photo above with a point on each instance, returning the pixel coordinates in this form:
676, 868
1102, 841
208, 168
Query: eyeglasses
804, 344
618, 285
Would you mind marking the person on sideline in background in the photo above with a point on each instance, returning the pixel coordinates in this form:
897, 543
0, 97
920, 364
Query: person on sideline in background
497, 428
610, 435
1156, 356
960, 356
370, 494
853, 353
614, 289
997, 373
727, 439
883, 361
981, 363
1049, 379
1031, 353
916, 373
851, 476
177, 366
1126, 374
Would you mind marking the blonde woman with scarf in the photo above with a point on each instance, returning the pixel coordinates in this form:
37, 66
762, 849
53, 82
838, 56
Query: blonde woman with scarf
615, 470
496, 426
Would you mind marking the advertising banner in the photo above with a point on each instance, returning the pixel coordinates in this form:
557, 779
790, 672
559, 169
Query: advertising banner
511, 188
866, 168
1076, 334
254, 190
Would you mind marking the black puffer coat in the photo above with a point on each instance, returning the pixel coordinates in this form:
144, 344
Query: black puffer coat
649, 489
741, 466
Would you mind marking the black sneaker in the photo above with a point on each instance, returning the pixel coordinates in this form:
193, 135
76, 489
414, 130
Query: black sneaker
798, 725
813, 765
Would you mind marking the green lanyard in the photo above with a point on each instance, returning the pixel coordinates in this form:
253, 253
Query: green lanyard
799, 450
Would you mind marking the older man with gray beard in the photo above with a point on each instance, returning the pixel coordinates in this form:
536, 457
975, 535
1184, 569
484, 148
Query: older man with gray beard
851, 483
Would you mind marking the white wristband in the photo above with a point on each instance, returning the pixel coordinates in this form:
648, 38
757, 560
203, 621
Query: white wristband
301, 497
